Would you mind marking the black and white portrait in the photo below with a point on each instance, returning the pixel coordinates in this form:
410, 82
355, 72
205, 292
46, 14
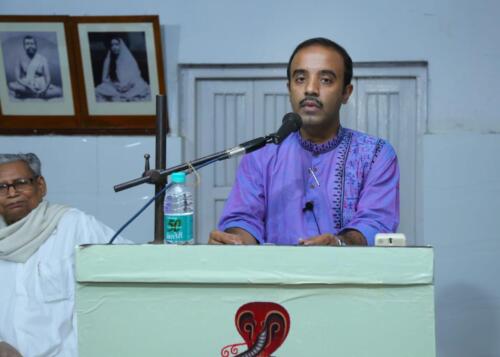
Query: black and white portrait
32, 65
120, 69
119, 66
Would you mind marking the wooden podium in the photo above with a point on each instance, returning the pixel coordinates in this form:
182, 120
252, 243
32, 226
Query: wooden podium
162, 300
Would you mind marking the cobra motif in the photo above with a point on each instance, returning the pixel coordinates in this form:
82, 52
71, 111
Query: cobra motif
264, 327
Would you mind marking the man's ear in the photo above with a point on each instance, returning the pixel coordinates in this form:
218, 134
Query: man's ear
347, 93
42, 185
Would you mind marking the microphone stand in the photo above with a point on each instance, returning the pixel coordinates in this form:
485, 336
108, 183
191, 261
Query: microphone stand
161, 163
158, 177
154, 176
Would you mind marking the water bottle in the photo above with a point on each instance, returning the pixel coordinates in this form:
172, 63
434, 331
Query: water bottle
178, 211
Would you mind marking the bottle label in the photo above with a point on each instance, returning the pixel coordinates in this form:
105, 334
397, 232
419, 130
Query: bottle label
178, 228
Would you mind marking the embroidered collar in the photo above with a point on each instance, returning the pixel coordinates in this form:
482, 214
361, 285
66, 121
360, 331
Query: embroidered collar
323, 147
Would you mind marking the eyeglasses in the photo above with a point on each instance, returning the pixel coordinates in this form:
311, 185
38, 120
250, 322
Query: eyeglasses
20, 185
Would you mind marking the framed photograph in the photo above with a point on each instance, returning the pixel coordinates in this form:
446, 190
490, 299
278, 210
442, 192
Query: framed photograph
121, 66
80, 75
36, 87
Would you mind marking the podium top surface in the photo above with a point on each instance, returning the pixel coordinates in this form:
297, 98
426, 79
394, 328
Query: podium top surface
253, 264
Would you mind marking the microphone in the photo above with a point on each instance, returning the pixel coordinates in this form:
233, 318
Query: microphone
309, 206
291, 122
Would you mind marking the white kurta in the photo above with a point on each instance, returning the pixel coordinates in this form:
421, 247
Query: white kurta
37, 297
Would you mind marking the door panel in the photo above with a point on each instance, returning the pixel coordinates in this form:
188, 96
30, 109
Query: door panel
387, 109
224, 114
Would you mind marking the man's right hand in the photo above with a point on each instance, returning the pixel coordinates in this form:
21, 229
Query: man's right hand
234, 236
7, 350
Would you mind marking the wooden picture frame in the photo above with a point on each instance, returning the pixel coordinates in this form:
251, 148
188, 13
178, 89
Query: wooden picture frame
105, 105
36, 94
114, 70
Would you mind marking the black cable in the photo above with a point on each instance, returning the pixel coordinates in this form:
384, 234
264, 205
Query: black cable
309, 206
139, 212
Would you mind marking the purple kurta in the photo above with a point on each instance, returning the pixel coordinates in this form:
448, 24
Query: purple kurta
358, 189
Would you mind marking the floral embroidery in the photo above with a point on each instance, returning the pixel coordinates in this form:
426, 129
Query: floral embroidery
354, 158
378, 147
339, 180
324, 147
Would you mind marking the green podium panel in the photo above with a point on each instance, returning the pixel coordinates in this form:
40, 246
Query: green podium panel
163, 300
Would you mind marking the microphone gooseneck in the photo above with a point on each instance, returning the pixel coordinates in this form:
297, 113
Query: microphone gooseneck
291, 122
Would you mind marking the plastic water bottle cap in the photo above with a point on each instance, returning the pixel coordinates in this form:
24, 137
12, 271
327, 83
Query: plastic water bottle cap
178, 177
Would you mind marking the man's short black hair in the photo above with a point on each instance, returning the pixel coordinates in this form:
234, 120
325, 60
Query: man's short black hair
29, 37
329, 44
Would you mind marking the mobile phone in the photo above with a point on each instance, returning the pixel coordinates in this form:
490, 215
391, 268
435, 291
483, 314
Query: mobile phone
390, 240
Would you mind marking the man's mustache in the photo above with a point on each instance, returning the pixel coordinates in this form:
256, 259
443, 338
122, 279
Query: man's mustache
311, 99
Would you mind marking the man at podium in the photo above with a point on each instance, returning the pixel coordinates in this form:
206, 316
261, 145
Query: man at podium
323, 185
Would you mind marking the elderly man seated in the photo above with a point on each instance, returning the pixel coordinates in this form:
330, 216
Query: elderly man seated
36, 262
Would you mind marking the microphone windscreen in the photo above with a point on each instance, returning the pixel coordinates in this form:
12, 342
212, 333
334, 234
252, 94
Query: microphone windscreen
291, 122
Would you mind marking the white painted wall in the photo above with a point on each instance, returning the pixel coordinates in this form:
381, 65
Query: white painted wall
461, 216
461, 173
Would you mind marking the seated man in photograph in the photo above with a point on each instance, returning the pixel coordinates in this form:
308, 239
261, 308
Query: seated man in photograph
36, 262
121, 76
33, 75
323, 185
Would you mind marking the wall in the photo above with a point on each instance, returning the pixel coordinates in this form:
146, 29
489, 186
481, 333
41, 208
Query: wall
461, 210
81, 172
460, 173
